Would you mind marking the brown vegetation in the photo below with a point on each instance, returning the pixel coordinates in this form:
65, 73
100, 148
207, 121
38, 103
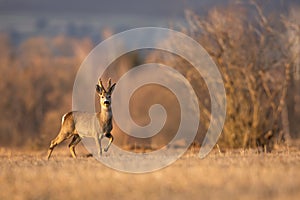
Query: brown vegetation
258, 57
36, 86
233, 175
253, 53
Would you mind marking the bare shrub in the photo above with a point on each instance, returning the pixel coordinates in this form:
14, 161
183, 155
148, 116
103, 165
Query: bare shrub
251, 51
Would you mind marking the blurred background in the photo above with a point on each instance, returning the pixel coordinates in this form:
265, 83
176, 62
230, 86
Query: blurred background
255, 44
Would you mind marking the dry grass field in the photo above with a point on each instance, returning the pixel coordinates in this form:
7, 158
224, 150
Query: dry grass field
231, 175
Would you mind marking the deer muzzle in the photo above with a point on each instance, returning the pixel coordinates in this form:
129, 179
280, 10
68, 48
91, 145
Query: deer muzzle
107, 103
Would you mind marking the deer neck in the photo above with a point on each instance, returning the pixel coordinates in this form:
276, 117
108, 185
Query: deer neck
105, 118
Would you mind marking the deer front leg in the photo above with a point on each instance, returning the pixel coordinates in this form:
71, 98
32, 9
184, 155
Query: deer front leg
98, 143
111, 139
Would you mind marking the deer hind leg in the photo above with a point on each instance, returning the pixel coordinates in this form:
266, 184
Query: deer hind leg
111, 139
59, 139
76, 139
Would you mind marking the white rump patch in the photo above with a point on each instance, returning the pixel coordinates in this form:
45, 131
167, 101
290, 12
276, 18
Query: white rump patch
63, 118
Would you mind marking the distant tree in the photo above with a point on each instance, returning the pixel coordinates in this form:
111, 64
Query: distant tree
251, 51
36, 85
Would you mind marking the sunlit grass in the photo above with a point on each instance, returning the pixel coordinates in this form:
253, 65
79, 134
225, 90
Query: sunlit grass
231, 175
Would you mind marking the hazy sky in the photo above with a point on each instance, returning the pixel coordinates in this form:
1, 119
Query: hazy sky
148, 7
78, 16
59, 15
160, 7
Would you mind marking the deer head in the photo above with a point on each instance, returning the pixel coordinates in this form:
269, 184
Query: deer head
105, 94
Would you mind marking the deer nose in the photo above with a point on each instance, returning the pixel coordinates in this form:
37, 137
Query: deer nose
106, 102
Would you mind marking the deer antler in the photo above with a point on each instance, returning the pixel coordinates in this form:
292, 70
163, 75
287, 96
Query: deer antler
109, 83
100, 84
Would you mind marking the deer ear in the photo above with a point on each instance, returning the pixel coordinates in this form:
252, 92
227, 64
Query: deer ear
111, 89
98, 89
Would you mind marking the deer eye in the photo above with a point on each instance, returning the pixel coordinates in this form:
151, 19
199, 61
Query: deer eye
108, 96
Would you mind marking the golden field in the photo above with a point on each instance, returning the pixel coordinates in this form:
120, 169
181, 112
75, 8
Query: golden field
238, 174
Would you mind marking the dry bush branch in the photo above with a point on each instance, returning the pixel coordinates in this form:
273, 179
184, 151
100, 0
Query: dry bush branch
254, 59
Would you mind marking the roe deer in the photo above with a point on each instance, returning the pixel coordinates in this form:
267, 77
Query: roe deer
83, 124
